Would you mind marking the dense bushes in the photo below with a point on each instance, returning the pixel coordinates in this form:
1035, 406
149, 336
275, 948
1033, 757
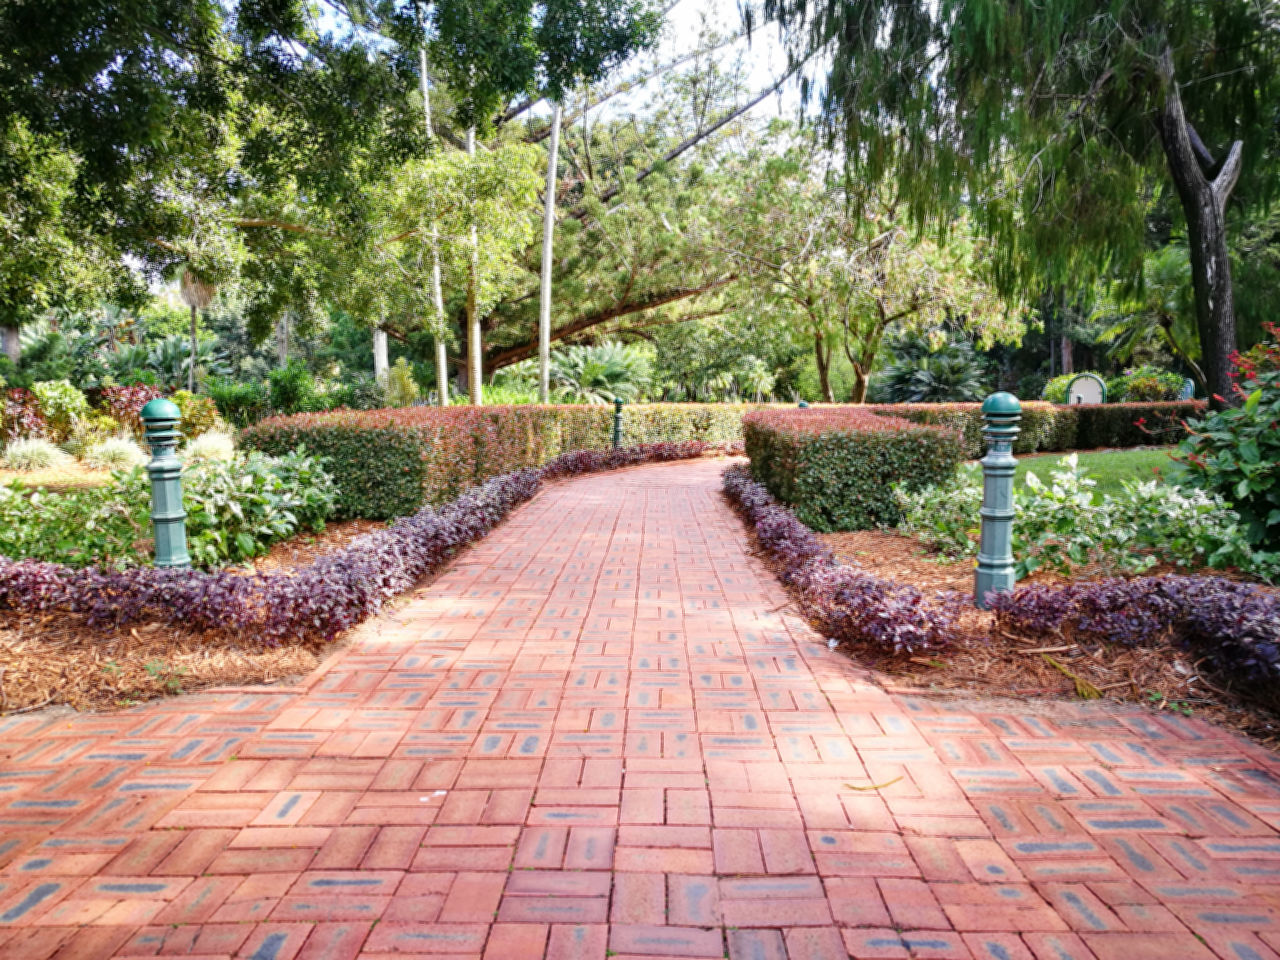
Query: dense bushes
1132, 424
316, 602
1044, 427
1063, 525
240, 404
837, 468
1145, 384
235, 510
387, 463
1236, 452
848, 603
1235, 625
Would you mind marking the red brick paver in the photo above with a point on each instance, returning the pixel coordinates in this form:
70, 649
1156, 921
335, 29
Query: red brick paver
602, 730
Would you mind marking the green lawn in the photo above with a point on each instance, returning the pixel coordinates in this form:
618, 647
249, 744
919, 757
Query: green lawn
1107, 467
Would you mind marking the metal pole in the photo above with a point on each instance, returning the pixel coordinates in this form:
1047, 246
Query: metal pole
995, 573
617, 424
161, 417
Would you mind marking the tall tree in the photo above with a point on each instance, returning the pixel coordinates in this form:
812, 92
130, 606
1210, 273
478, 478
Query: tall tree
1056, 117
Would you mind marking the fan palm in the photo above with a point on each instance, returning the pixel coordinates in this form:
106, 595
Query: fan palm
600, 374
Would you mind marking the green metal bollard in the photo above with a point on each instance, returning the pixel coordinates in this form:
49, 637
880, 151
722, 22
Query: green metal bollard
1002, 411
168, 518
617, 423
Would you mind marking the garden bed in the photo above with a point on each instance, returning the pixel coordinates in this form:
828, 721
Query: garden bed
989, 661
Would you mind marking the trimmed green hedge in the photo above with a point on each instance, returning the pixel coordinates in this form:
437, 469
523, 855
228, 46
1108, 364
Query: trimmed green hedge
1133, 424
836, 468
388, 463
1044, 427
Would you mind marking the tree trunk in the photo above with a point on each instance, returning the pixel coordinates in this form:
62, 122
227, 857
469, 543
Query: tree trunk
860, 383
12, 343
475, 342
282, 341
1068, 360
381, 360
548, 239
1204, 194
437, 294
191, 366
822, 354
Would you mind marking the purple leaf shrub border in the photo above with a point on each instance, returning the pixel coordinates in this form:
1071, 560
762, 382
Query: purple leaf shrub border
318, 601
1236, 625
848, 603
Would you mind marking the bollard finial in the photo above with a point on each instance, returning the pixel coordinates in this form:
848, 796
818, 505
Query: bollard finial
161, 417
995, 574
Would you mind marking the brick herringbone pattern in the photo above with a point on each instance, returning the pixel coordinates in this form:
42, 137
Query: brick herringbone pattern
600, 733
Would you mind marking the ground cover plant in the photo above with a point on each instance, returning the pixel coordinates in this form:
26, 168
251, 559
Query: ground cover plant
1108, 469
1062, 524
848, 603
236, 508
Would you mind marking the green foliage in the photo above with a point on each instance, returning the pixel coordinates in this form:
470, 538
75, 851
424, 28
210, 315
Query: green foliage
925, 369
837, 469
292, 389
102, 525
240, 404
90, 432
601, 373
211, 445
62, 406
401, 389
1144, 385
1055, 391
237, 508
114, 453
1065, 526
1132, 424
1235, 453
29, 454
388, 463
199, 413
1043, 426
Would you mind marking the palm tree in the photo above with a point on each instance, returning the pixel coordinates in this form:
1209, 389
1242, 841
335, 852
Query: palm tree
932, 368
196, 294
600, 374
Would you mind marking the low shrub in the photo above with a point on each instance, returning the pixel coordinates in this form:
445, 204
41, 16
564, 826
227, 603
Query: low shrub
33, 453
292, 389
1145, 384
1235, 453
837, 468
240, 404
93, 430
1235, 625
211, 445
235, 511
62, 406
1063, 526
199, 413
316, 602
21, 418
114, 453
125, 404
401, 389
848, 603
1132, 424
238, 507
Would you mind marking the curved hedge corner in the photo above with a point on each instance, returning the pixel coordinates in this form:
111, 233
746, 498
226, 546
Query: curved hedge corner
848, 603
1235, 625
318, 601
837, 467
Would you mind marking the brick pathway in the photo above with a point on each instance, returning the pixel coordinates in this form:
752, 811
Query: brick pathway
598, 735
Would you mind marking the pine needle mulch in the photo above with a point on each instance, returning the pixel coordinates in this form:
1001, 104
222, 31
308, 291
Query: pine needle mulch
57, 659
990, 662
